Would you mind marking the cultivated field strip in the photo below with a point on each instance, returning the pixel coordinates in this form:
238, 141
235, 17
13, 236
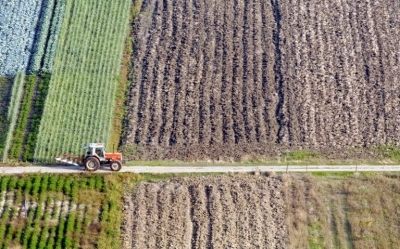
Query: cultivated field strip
43, 211
210, 212
342, 211
230, 79
80, 103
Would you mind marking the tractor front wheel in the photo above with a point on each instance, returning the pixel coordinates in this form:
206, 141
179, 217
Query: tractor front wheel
116, 166
92, 164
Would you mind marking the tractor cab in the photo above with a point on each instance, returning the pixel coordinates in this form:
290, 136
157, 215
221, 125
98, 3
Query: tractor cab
96, 150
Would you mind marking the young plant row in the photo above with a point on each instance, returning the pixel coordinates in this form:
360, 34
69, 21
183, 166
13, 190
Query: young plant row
36, 118
5, 86
13, 110
24, 112
81, 97
66, 229
47, 35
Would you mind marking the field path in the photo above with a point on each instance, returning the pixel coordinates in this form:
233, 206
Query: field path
203, 169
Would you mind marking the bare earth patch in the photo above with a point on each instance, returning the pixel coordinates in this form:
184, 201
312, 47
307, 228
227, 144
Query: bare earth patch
207, 212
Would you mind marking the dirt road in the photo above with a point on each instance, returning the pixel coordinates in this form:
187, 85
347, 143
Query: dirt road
202, 169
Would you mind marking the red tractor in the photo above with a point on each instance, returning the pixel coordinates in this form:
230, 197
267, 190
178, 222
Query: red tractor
94, 157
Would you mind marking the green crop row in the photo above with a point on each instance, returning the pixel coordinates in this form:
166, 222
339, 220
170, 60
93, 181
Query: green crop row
53, 36
24, 112
5, 84
12, 114
47, 34
37, 116
46, 225
80, 102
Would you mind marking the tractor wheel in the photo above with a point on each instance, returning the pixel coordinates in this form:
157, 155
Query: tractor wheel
115, 166
92, 164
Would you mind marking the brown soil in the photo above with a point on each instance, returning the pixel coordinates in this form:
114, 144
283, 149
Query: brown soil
207, 212
226, 79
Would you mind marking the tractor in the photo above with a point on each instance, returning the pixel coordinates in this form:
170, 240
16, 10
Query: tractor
94, 156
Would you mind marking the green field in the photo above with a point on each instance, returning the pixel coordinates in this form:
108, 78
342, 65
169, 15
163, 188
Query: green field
60, 211
80, 103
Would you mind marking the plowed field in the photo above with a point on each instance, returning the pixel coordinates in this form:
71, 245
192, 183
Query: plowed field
207, 212
225, 79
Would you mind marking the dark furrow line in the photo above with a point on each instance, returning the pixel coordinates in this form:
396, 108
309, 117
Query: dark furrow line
156, 112
351, 71
258, 103
295, 73
319, 67
269, 90
247, 74
169, 80
310, 76
227, 65
382, 100
215, 107
205, 83
147, 77
236, 101
181, 76
280, 109
216, 123
168, 31
191, 96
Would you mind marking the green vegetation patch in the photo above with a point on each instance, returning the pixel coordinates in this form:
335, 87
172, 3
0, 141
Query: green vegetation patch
80, 103
62, 211
24, 113
343, 210
13, 110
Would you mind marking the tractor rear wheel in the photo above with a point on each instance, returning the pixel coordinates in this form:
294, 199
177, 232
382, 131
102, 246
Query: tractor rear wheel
115, 166
92, 164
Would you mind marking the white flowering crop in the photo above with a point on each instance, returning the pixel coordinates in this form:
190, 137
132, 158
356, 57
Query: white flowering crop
18, 22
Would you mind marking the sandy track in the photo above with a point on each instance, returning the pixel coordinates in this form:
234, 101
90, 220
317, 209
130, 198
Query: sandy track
204, 169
